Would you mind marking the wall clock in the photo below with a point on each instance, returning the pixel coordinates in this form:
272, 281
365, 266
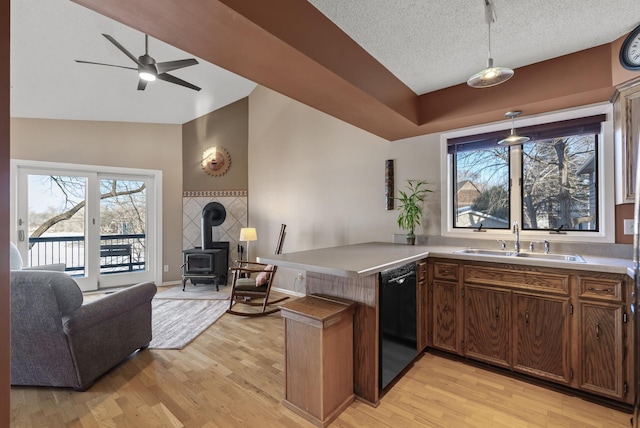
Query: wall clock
216, 161
630, 51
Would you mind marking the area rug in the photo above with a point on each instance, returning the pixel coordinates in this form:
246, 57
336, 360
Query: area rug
175, 323
195, 292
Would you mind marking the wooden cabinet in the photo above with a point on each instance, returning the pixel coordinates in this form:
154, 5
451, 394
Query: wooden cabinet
486, 324
422, 299
604, 339
565, 326
445, 328
445, 298
541, 336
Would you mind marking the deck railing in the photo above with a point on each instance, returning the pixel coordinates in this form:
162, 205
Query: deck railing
118, 253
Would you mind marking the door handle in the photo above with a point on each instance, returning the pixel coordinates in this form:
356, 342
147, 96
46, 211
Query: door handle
21, 235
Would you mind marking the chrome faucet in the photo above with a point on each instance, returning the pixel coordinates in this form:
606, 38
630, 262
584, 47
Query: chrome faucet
516, 230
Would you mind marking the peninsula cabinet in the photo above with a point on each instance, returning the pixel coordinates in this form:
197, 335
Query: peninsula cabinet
566, 326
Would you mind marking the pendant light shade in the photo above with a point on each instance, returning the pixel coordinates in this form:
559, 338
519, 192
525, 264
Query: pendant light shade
490, 76
513, 139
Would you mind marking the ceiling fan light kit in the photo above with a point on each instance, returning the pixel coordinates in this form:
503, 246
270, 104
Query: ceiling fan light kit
490, 76
513, 139
148, 69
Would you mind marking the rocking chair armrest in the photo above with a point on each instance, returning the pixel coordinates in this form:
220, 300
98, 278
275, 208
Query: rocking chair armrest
250, 270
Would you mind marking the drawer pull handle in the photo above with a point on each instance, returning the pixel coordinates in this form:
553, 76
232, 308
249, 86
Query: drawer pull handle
497, 312
608, 290
526, 318
597, 331
446, 272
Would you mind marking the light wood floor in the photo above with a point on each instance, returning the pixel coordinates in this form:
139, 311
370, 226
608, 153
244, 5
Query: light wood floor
232, 376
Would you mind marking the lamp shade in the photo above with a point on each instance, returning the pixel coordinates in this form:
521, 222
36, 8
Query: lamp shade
248, 234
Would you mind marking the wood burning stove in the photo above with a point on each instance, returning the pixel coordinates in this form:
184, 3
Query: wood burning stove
207, 264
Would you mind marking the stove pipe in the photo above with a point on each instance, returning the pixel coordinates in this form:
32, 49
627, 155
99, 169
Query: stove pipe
213, 214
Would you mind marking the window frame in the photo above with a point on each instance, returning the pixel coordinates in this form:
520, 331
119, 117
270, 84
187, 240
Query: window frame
605, 166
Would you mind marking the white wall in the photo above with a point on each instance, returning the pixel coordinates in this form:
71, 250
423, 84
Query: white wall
324, 178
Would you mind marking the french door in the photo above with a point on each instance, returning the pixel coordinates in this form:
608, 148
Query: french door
102, 224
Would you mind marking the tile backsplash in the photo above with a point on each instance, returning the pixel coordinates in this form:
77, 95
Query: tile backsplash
235, 204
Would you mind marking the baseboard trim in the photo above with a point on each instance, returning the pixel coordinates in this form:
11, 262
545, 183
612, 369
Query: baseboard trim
289, 292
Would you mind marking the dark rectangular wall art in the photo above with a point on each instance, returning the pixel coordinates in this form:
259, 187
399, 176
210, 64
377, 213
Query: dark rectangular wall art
388, 183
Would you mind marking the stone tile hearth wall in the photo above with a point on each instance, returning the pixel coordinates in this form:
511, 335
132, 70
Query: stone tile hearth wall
234, 202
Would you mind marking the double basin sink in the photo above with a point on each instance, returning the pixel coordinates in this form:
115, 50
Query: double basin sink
574, 258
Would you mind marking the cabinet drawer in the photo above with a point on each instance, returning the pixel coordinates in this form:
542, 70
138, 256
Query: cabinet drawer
530, 280
601, 288
445, 271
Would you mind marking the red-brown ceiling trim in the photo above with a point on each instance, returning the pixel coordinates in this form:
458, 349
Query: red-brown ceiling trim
292, 48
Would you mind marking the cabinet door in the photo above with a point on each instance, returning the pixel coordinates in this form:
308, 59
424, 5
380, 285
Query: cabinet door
601, 348
486, 325
541, 336
445, 297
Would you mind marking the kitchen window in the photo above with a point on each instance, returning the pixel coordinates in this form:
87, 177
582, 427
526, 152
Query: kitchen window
550, 185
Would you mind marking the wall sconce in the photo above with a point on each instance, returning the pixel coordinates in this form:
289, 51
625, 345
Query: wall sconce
216, 161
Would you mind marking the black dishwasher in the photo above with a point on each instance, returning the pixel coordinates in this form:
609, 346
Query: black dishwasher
398, 324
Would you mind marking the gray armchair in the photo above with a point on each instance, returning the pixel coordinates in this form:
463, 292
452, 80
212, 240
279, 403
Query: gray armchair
56, 340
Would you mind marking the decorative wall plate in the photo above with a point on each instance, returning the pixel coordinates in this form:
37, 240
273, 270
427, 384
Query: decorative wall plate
216, 161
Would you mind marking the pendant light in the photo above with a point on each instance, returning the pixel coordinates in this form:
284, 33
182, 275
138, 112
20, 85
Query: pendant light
513, 139
490, 76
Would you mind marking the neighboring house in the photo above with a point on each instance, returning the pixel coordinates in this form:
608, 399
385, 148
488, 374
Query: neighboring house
466, 217
467, 193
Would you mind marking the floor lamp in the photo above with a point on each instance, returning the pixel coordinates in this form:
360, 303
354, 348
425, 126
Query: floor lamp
248, 234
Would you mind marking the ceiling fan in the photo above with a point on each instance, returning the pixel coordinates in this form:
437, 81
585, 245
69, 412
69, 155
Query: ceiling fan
148, 69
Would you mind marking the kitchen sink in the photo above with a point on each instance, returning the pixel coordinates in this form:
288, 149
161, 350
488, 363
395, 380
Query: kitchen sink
484, 252
550, 256
574, 258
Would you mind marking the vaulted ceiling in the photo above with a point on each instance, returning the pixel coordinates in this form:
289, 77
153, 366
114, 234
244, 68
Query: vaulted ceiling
395, 68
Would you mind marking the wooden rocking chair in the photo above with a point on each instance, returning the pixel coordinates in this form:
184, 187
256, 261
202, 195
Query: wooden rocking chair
245, 290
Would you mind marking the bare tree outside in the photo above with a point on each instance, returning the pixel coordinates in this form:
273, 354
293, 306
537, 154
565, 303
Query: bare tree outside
57, 213
559, 177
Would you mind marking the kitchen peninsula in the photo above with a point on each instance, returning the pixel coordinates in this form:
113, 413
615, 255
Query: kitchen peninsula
581, 298
350, 272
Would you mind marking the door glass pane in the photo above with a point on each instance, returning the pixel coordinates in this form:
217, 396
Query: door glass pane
56, 221
123, 225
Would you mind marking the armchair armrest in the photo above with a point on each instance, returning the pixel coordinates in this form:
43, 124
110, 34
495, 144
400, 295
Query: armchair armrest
108, 307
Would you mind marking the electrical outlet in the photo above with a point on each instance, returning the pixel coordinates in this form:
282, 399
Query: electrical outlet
299, 277
166, 268
628, 226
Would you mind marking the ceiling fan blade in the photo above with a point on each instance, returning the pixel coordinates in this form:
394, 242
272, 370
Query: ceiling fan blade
107, 65
163, 67
123, 49
173, 79
142, 84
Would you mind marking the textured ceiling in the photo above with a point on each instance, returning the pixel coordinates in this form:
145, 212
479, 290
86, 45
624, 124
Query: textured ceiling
431, 45
427, 45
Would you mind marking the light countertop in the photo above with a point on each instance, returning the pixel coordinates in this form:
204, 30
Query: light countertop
359, 260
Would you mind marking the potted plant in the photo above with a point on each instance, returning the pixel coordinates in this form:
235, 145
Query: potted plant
411, 208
